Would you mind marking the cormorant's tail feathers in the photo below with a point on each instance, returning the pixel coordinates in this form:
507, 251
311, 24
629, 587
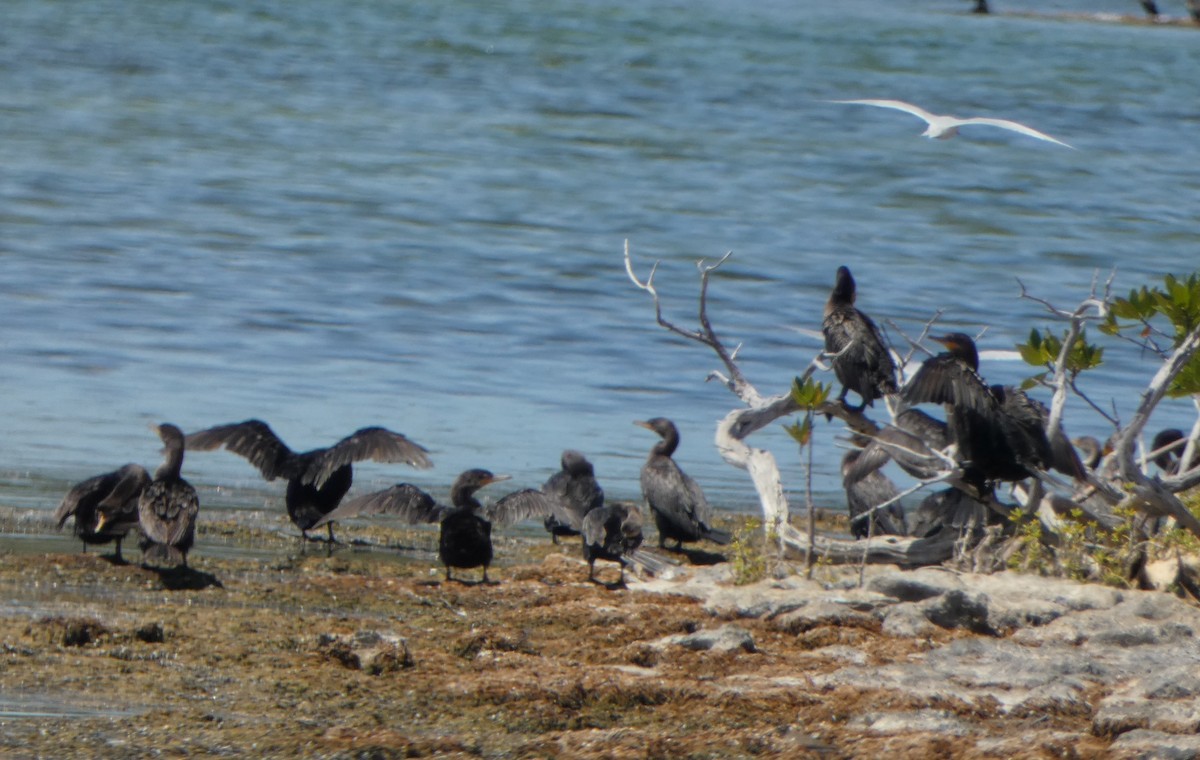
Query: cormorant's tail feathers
645, 562
161, 554
718, 536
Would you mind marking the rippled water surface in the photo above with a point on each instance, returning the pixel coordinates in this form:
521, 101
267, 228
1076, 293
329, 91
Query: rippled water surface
411, 214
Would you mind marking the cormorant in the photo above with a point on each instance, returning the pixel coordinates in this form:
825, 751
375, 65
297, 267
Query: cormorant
996, 440
863, 494
860, 360
466, 536
319, 479
168, 506
611, 533
1169, 460
105, 507
911, 442
1028, 418
680, 510
1090, 450
564, 499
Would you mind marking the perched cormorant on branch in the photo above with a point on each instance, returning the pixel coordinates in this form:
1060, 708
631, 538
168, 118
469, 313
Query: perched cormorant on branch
1169, 460
860, 360
168, 506
319, 479
997, 439
105, 507
680, 510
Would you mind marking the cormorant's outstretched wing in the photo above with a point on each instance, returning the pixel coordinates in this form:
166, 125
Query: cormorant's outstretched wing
252, 439
132, 479
945, 380
1024, 423
90, 491
530, 503
402, 500
375, 443
112, 489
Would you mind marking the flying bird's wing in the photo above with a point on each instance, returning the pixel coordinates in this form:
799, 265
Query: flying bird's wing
898, 105
1015, 127
252, 439
402, 500
376, 443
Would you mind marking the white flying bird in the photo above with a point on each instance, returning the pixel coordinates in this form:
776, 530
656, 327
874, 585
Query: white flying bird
945, 127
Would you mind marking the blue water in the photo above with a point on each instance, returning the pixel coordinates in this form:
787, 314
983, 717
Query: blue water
411, 214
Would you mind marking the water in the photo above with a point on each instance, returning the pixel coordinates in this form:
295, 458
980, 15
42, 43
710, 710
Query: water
330, 215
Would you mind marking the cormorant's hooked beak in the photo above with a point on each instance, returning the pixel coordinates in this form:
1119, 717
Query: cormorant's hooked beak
946, 340
496, 479
643, 423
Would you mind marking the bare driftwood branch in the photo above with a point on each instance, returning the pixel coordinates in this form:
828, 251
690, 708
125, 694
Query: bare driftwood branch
739, 424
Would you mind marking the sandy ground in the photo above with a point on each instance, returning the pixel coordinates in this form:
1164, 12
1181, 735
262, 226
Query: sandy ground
264, 650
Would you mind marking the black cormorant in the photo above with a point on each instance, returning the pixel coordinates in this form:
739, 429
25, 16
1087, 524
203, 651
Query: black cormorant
680, 510
996, 437
105, 507
317, 479
466, 536
1169, 460
865, 493
168, 506
1027, 418
860, 360
611, 533
1090, 450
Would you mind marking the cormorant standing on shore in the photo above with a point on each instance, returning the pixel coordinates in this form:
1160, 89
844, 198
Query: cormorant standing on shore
105, 507
319, 479
466, 536
168, 506
680, 510
611, 533
993, 444
860, 360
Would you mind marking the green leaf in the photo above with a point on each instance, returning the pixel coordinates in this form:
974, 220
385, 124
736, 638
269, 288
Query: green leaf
1187, 382
809, 394
801, 432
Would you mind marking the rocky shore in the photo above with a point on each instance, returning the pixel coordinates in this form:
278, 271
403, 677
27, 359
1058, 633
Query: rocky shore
263, 650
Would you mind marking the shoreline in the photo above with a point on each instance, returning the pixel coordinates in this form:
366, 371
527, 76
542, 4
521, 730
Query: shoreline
367, 652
